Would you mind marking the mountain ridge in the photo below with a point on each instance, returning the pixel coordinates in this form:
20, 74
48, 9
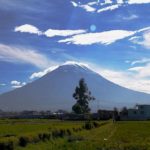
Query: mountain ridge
54, 91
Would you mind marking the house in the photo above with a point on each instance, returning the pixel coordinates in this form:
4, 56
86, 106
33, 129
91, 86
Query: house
140, 112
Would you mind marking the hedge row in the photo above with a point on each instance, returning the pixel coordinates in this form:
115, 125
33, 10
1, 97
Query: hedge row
10, 143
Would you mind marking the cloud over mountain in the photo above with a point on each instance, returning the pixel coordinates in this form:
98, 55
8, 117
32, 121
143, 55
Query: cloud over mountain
19, 54
106, 37
17, 84
143, 40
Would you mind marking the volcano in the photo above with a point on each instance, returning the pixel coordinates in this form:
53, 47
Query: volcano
54, 91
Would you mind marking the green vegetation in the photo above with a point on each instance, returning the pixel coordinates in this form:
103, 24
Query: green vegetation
82, 96
68, 135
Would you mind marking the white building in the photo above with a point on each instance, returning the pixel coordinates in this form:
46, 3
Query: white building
140, 112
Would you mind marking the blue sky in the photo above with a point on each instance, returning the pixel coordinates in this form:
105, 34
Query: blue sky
111, 36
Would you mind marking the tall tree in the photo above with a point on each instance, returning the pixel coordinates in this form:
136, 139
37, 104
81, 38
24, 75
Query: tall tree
82, 96
115, 115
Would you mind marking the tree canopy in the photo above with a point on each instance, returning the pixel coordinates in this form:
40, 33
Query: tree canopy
82, 96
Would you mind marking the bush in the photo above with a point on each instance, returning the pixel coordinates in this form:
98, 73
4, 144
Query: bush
9, 135
62, 133
7, 146
44, 136
77, 129
88, 125
69, 132
55, 134
96, 124
23, 141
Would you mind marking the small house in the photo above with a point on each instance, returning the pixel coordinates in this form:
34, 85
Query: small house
140, 112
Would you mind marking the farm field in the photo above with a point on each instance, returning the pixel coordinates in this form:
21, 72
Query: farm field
45, 134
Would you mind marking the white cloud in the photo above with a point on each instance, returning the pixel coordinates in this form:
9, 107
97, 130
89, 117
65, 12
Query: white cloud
137, 69
146, 40
106, 37
144, 29
138, 1
17, 84
93, 3
81, 37
22, 55
141, 71
76, 63
109, 37
52, 33
49, 33
74, 4
120, 1
141, 61
27, 28
131, 17
108, 2
134, 38
88, 8
109, 8
14, 82
143, 68
126, 79
143, 40
112, 5
42, 73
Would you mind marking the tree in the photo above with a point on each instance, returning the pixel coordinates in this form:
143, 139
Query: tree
124, 112
115, 115
82, 96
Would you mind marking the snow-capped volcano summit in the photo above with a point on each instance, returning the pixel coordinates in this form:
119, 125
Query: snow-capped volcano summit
75, 67
54, 91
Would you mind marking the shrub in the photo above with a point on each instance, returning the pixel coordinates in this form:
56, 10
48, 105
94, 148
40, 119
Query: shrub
9, 135
55, 134
7, 146
96, 124
88, 125
73, 129
23, 141
62, 133
44, 136
69, 132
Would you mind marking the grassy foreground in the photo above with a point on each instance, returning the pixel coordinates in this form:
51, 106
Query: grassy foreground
65, 135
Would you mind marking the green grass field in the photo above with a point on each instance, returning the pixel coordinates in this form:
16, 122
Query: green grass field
66, 135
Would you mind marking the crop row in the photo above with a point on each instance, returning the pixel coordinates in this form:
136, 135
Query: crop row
9, 143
